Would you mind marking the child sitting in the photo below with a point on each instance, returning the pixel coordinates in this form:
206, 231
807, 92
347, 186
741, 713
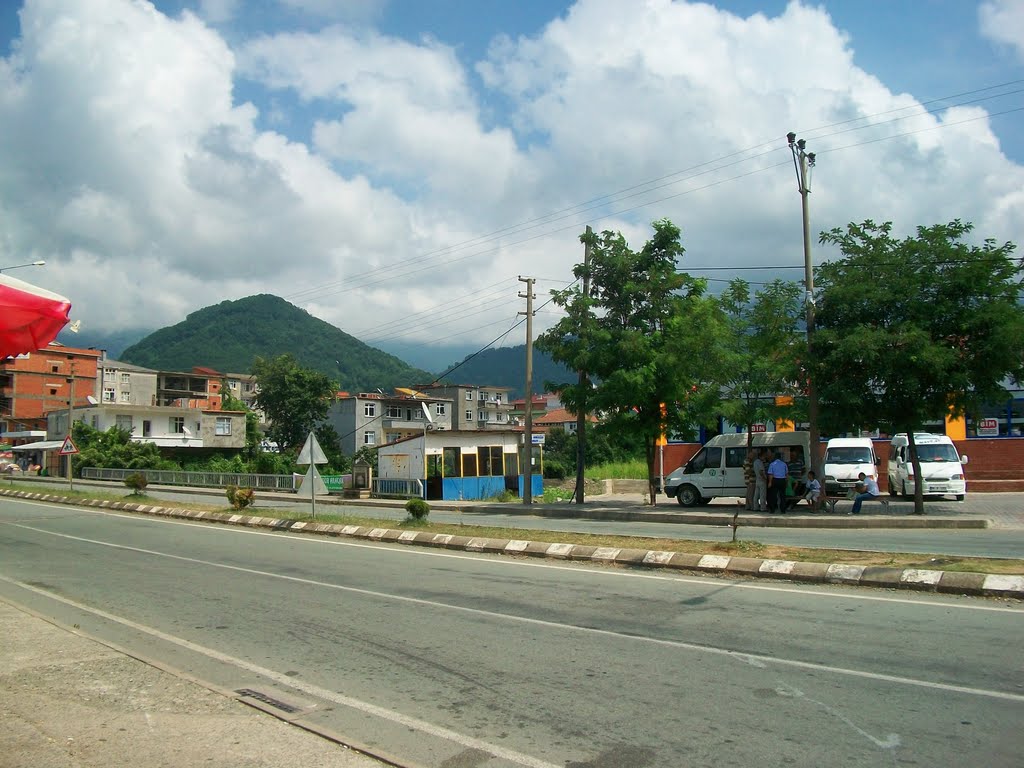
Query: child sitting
812, 495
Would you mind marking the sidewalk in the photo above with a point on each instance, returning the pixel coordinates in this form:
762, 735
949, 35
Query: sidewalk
67, 701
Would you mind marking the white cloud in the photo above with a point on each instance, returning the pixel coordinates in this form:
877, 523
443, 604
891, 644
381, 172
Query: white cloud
151, 191
1003, 22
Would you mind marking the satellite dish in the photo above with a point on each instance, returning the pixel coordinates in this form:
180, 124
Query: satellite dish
92, 400
426, 412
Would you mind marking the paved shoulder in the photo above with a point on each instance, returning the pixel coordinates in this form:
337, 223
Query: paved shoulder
69, 701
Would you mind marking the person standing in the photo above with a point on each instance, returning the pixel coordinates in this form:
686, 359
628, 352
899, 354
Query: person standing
760, 482
867, 489
748, 478
778, 474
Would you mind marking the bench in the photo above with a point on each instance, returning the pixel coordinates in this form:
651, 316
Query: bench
831, 501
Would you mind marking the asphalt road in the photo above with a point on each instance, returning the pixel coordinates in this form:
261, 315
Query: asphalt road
1002, 542
457, 660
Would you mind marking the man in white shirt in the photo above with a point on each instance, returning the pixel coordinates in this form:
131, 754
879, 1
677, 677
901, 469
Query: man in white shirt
867, 490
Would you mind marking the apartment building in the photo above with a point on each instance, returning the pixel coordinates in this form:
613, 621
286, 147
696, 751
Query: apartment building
33, 384
371, 419
475, 407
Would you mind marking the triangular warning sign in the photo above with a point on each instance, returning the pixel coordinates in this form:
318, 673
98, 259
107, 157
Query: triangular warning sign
311, 452
68, 447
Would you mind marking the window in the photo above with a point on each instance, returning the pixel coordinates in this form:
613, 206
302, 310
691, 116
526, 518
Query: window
481, 416
369, 437
53, 391
490, 460
177, 425
469, 415
452, 462
54, 368
223, 426
469, 394
123, 423
394, 412
469, 464
499, 417
369, 410
126, 378
734, 457
108, 395
126, 397
497, 398
440, 409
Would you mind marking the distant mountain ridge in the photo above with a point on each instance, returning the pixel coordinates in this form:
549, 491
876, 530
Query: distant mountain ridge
506, 367
229, 336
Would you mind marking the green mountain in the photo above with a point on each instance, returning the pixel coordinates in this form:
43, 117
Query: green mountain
229, 336
506, 367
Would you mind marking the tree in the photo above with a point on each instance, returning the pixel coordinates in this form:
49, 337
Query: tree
294, 399
913, 330
763, 350
253, 436
648, 337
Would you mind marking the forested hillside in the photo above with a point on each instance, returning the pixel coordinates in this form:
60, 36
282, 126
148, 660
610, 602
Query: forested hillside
229, 336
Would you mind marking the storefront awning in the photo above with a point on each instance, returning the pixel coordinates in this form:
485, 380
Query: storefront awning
44, 445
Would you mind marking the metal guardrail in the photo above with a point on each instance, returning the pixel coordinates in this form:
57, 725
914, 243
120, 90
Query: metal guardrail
396, 487
196, 479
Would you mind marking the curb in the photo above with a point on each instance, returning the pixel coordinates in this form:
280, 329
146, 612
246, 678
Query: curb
948, 582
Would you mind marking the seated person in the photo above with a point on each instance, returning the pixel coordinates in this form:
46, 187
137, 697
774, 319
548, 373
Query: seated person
867, 489
812, 490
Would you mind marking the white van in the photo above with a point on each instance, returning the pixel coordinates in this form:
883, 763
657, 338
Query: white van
941, 466
717, 468
845, 459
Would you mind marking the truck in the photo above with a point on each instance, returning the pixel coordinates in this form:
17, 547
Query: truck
717, 468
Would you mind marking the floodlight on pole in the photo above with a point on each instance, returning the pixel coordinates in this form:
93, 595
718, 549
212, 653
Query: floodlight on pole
803, 162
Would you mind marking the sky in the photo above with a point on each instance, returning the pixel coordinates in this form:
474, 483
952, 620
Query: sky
395, 166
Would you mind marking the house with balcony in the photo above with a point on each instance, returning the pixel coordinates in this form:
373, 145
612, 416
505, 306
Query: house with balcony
162, 425
474, 407
372, 419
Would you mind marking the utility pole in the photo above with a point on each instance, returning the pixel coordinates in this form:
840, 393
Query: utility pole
528, 427
584, 386
803, 162
71, 423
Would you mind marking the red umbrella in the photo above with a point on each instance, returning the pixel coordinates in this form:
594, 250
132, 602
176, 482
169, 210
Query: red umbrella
30, 317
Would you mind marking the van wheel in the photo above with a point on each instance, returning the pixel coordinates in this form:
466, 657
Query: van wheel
688, 496
959, 497
704, 501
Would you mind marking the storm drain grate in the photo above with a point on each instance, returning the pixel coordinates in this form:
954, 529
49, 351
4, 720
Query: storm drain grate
267, 700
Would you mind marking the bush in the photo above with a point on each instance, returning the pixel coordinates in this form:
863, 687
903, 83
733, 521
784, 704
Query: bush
137, 482
418, 509
554, 470
241, 498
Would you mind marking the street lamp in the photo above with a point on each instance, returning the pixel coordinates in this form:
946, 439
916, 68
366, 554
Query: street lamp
803, 162
39, 263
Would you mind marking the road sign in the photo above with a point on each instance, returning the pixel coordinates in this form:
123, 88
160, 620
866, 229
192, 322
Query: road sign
988, 427
311, 452
68, 447
537, 438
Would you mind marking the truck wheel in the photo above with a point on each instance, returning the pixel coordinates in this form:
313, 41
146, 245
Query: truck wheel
688, 496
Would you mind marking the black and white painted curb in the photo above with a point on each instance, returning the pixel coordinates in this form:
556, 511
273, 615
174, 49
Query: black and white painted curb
951, 582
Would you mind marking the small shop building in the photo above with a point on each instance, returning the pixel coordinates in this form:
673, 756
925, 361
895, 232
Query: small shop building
455, 466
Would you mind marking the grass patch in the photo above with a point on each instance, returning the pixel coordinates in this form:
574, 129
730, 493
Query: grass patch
620, 470
742, 548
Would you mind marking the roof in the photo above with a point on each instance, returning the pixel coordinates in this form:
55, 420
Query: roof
41, 445
560, 416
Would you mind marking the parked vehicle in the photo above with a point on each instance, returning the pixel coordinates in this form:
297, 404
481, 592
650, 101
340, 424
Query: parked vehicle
845, 459
717, 468
942, 468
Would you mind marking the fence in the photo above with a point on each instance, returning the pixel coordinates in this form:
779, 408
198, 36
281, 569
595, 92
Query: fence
196, 479
397, 487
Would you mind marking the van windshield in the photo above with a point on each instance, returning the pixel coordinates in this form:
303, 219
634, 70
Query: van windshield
853, 454
938, 452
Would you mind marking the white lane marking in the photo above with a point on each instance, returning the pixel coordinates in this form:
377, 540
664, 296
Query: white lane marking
212, 526
891, 741
313, 690
746, 658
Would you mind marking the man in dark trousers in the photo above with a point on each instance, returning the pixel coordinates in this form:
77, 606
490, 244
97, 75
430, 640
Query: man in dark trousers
778, 474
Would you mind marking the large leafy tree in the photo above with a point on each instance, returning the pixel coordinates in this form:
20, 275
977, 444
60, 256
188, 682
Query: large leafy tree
765, 344
294, 399
647, 335
911, 330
